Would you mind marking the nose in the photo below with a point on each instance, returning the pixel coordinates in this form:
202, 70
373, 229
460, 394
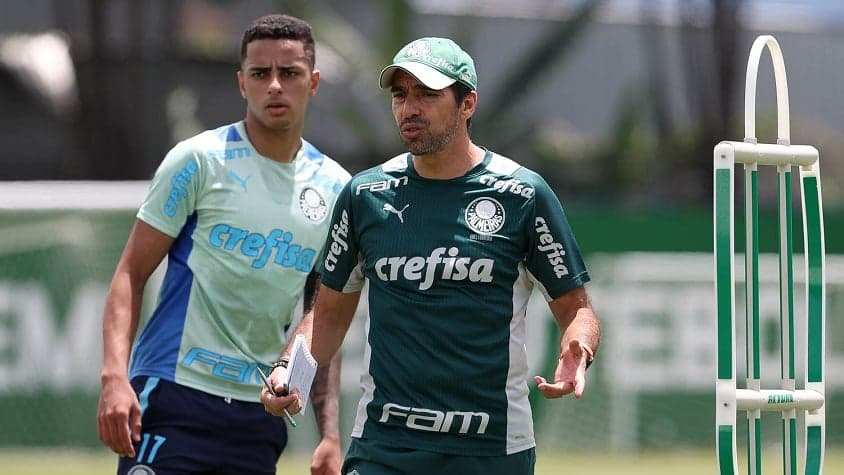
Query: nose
275, 85
408, 108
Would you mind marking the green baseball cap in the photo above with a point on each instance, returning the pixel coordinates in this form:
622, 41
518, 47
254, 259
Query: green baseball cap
436, 62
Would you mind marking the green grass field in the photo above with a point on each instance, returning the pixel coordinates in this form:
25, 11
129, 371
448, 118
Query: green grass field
96, 462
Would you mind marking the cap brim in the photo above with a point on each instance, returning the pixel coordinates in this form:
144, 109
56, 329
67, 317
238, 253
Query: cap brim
427, 75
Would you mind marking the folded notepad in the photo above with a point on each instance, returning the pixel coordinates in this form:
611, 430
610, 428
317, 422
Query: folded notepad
301, 370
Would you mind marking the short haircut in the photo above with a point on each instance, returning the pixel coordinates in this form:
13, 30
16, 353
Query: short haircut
460, 92
278, 27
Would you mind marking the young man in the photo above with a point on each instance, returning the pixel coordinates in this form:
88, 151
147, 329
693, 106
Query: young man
242, 212
451, 238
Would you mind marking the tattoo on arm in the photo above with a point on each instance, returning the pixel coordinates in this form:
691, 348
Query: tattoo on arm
311, 290
325, 392
325, 397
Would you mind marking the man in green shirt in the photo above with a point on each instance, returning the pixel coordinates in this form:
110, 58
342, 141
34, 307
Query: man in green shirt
451, 239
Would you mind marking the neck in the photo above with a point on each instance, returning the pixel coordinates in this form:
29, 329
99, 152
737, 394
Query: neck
277, 145
453, 161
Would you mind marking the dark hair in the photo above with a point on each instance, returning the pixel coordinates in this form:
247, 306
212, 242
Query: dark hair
276, 27
461, 91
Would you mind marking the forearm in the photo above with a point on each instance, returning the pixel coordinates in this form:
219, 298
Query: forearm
585, 328
305, 326
332, 316
325, 398
120, 323
576, 319
326, 341
324, 334
144, 250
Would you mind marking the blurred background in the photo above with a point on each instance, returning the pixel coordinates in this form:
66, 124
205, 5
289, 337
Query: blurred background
617, 103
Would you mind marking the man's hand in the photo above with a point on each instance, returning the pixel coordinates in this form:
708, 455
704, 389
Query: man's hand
119, 416
327, 459
275, 404
570, 375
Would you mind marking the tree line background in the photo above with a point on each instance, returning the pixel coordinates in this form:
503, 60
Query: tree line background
147, 74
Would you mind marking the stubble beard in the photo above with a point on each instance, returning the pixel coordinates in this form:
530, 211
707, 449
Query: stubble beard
432, 143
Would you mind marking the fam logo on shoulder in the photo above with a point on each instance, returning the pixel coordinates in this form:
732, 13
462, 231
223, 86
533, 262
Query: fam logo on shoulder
312, 204
485, 215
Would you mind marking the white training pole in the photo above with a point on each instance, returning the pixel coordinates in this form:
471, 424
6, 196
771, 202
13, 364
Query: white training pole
788, 399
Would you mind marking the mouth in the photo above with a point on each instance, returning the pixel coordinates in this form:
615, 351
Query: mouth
276, 108
411, 130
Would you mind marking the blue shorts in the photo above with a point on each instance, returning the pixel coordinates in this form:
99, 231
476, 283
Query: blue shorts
184, 430
369, 457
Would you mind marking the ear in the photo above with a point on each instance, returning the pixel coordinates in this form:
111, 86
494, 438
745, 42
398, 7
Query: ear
469, 104
240, 84
315, 76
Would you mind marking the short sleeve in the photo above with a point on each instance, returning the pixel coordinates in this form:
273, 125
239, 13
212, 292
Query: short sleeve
340, 266
553, 256
174, 191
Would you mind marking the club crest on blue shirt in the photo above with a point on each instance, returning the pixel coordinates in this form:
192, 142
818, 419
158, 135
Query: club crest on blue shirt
312, 204
485, 216
140, 470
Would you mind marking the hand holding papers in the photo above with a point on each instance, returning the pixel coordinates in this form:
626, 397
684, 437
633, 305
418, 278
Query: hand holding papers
301, 370
269, 387
299, 375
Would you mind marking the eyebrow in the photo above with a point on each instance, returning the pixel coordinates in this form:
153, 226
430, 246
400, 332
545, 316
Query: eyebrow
417, 85
286, 67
